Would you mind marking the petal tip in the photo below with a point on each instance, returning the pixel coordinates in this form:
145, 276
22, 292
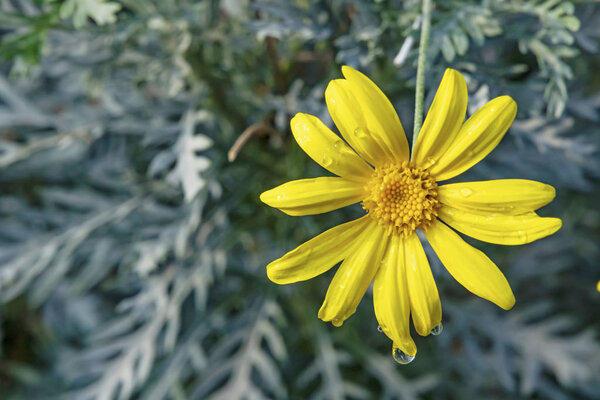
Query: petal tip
264, 197
508, 303
296, 119
551, 191
299, 124
557, 224
456, 80
274, 276
333, 91
353, 75
269, 197
454, 73
347, 70
322, 313
421, 330
329, 314
508, 102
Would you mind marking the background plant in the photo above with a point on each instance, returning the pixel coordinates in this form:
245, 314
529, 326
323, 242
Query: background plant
132, 252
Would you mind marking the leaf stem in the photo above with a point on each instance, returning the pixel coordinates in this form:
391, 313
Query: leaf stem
420, 85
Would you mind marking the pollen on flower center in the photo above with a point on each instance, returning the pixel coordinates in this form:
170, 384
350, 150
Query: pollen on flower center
402, 198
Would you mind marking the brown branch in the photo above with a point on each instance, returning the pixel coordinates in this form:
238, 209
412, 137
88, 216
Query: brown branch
258, 129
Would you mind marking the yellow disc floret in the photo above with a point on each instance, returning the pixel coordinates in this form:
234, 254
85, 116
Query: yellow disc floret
402, 198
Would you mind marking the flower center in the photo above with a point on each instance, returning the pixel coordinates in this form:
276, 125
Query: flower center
402, 198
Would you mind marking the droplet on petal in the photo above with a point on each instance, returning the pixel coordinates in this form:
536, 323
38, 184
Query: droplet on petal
437, 330
401, 357
523, 236
379, 328
466, 192
429, 161
360, 133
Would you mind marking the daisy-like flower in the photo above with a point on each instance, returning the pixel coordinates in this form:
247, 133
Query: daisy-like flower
400, 195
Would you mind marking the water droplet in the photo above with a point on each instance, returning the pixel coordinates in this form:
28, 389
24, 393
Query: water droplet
337, 322
338, 144
327, 161
401, 357
437, 330
523, 238
379, 328
466, 192
360, 133
429, 161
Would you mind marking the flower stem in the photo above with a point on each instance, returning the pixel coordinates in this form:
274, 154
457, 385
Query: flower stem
420, 86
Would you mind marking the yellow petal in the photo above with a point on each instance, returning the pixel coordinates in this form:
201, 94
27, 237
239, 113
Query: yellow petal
317, 255
469, 266
313, 196
425, 303
500, 228
380, 117
444, 119
476, 138
390, 297
346, 112
354, 276
328, 149
506, 196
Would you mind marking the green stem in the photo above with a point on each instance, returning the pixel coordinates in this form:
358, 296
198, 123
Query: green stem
420, 87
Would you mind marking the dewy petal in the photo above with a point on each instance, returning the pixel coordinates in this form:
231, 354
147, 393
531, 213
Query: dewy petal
390, 297
444, 119
346, 112
425, 303
354, 276
500, 228
313, 196
380, 117
478, 136
469, 266
317, 255
506, 196
328, 149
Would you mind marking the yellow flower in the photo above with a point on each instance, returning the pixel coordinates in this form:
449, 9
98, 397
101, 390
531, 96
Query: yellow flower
400, 196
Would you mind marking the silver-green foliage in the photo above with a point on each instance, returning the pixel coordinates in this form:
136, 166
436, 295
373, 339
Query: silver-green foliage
132, 253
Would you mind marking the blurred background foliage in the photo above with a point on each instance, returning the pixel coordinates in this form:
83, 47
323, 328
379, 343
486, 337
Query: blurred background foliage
133, 253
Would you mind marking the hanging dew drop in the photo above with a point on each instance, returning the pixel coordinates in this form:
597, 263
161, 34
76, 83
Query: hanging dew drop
379, 329
437, 330
401, 357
